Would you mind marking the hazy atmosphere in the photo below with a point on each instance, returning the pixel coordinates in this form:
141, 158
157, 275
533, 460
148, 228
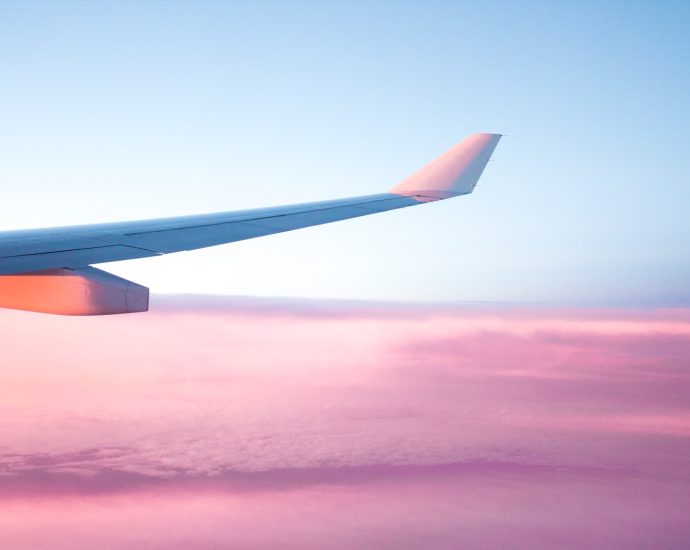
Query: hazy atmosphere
247, 422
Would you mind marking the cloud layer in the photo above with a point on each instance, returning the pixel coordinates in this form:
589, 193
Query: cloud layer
346, 424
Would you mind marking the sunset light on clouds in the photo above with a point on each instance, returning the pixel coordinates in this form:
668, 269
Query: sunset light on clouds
254, 422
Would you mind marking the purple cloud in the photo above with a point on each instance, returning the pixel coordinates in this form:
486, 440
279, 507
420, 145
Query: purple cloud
315, 423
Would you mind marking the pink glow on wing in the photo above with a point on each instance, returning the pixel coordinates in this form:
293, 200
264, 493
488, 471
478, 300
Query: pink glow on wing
255, 423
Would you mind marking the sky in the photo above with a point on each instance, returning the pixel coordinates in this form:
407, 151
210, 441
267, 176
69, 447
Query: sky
507, 368
131, 110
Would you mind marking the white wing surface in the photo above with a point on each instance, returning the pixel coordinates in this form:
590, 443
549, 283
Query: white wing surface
48, 269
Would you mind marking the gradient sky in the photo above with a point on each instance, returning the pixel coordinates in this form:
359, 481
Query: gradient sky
127, 110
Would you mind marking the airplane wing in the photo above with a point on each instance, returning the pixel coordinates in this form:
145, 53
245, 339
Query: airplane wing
49, 270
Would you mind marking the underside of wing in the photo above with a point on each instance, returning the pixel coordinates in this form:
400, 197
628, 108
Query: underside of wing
52, 266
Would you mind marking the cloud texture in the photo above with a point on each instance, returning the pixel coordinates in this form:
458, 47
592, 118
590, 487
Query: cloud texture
236, 422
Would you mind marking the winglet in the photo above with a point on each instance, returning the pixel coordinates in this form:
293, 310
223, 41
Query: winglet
455, 172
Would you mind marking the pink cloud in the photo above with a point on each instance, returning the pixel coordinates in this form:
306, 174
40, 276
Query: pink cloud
233, 419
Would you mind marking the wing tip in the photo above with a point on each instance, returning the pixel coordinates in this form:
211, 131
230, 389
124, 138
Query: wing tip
456, 172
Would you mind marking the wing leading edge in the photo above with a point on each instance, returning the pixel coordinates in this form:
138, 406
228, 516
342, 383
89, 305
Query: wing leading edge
57, 251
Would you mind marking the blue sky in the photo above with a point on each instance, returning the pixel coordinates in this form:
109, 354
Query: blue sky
127, 110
